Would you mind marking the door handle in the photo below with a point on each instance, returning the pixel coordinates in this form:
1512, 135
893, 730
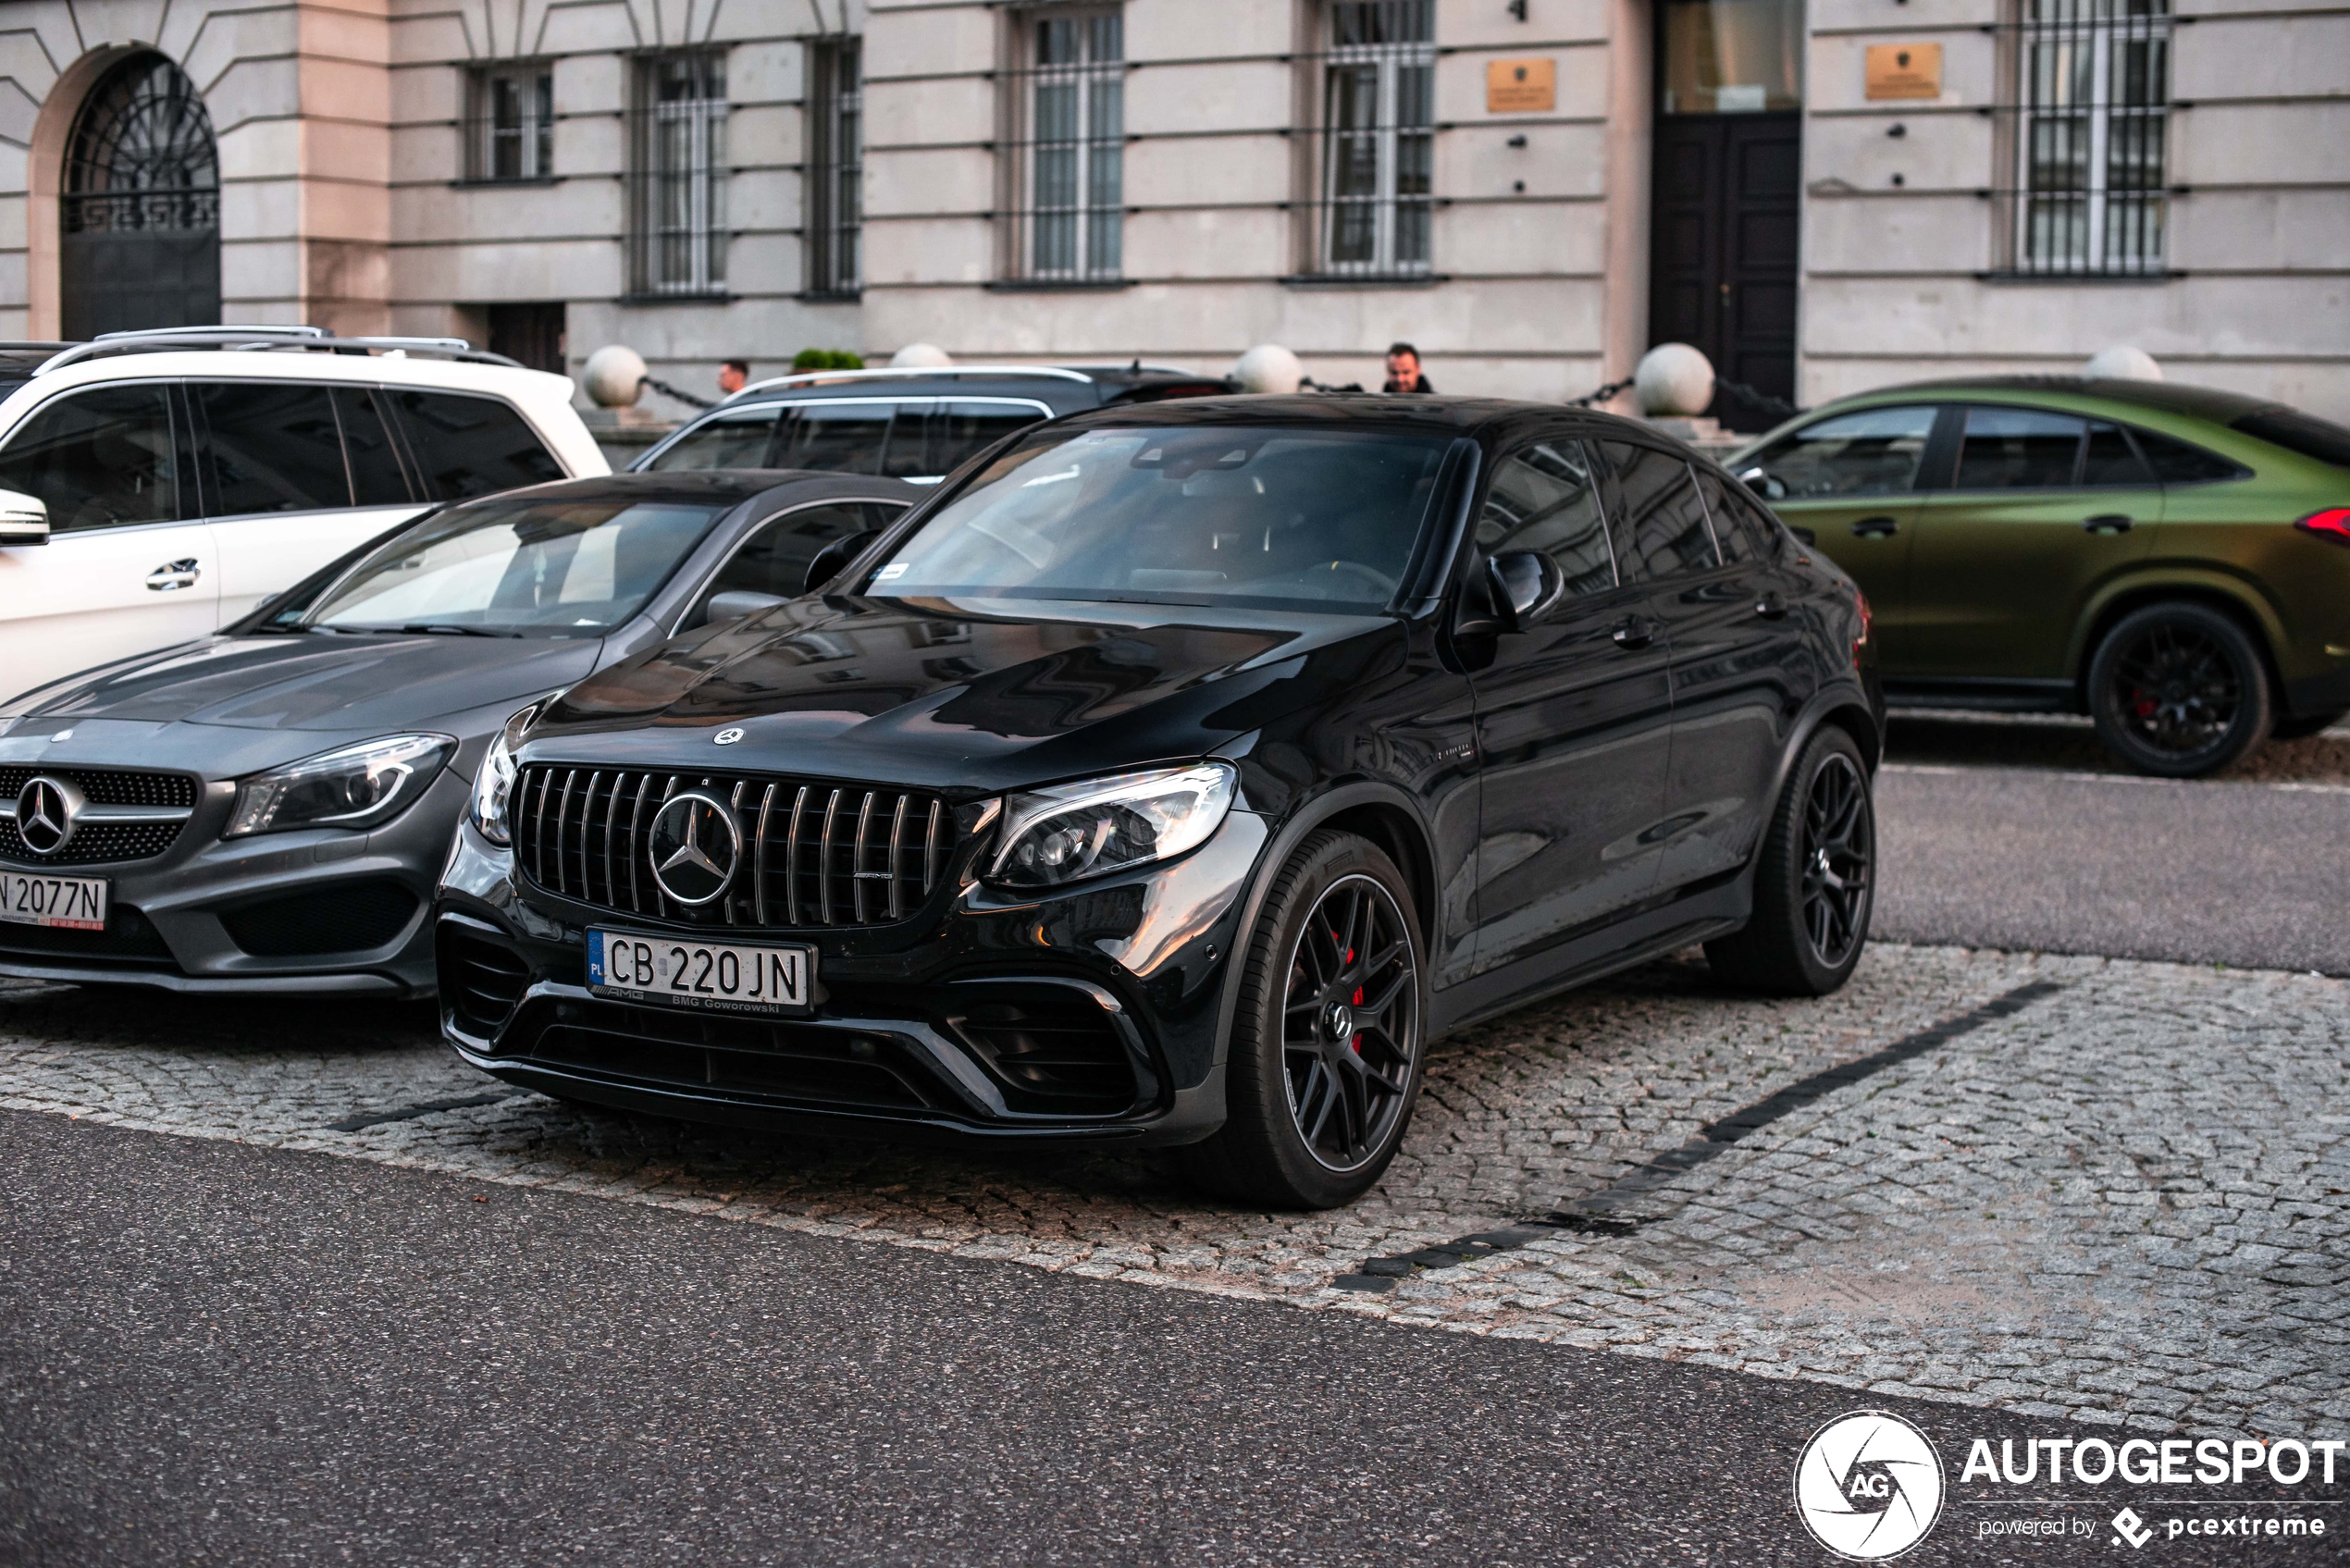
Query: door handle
174, 574
2107, 522
1875, 528
1771, 606
1634, 632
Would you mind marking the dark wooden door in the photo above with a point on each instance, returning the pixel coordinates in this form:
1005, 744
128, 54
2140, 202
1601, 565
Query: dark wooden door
1723, 242
126, 280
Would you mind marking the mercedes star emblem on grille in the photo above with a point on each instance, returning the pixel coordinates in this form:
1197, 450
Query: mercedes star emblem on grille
46, 809
696, 848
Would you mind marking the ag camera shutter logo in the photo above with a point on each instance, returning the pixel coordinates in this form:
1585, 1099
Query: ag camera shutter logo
1869, 1486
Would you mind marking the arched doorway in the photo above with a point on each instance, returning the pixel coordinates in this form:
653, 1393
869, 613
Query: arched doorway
139, 219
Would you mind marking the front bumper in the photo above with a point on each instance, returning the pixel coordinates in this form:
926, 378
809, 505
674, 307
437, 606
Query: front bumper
313, 912
1089, 1017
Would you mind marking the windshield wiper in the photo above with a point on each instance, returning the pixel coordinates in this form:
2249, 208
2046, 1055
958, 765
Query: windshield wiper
448, 629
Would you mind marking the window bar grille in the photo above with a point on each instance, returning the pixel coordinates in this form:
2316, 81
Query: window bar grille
2091, 129
1070, 160
510, 123
1374, 212
678, 207
837, 169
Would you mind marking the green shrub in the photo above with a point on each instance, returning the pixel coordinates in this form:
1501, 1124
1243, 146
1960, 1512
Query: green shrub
827, 359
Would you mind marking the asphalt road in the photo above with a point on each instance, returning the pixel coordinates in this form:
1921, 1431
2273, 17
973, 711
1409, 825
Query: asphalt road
211, 1353
2251, 875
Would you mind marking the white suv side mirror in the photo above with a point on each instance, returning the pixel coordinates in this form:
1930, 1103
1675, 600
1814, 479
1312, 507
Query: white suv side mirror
24, 520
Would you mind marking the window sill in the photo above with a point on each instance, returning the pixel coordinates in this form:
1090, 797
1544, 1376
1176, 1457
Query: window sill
505, 184
1057, 285
2079, 277
717, 297
1365, 280
829, 296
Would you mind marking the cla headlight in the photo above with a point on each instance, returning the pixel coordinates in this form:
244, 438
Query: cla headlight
494, 785
1082, 830
353, 786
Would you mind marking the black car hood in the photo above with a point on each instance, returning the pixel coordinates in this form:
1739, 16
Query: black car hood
961, 695
317, 681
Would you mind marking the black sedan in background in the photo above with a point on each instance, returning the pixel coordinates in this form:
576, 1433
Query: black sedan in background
1174, 778
267, 810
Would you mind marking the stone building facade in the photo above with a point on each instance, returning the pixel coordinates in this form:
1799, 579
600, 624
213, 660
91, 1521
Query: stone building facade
1825, 196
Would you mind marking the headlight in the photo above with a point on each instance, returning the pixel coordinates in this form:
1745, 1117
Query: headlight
1083, 829
494, 785
354, 787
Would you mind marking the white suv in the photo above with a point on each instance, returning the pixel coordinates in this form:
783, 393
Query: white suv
188, 475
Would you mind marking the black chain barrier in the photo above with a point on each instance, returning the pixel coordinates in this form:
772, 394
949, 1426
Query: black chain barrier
1599, 394
666, 390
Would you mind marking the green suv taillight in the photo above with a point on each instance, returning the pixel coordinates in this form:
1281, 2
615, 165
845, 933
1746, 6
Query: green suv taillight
2332, 525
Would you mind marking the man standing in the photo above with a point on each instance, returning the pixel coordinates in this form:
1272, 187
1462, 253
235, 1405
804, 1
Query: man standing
733, 376
1403, 373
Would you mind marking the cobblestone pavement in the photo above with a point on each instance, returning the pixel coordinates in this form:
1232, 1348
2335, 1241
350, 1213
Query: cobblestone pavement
2128, 1202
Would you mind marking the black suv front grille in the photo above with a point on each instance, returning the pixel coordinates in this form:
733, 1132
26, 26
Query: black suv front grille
99, 843
816, 853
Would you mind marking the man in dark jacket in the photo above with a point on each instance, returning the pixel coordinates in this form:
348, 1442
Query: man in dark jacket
1403, 373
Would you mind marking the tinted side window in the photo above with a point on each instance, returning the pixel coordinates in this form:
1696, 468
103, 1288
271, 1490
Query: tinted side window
774, 559
472, 446
2018, 449
99, 459
837, 437
2109, 458
376, 478
1663, 531
1544, 498
1873, 452
273, 447
1738, 534
960, 432
2175, 463
732, 438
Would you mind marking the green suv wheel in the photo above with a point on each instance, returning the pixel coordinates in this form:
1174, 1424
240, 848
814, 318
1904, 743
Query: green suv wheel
2178, 690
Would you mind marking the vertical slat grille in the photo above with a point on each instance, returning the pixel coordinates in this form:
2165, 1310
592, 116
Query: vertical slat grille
812, 855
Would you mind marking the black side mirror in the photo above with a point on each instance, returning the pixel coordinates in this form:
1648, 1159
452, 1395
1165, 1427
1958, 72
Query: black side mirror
1525, 585
832, 557
734, 604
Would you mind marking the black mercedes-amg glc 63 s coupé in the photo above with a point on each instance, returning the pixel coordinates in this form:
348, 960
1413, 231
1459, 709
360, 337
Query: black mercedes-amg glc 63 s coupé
1174, 776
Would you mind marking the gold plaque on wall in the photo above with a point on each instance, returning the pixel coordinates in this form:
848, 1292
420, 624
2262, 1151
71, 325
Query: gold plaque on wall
1521, 87
1905, 70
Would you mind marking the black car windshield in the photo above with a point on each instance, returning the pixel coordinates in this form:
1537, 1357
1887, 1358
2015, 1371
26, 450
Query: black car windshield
542, 568
1185, 514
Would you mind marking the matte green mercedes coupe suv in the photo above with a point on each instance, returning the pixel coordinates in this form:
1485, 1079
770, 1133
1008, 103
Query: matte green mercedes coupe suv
2173, 560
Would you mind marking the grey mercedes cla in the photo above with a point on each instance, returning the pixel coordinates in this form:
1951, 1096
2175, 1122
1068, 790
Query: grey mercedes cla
268, 809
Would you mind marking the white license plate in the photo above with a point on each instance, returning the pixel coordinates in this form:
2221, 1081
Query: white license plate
717, 977
27, 898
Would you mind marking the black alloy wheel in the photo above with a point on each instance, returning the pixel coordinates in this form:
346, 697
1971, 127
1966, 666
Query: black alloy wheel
1814, 879
1350, 1023
2179, 691
1328, 1039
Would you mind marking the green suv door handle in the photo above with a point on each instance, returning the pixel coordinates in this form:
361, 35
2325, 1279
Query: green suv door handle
2107, 522
1875, 528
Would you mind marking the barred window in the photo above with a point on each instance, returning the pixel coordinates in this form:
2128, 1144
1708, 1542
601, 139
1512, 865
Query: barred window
835, 166
510, 122
2091, 118
678, 171
1379, 138
1071, 107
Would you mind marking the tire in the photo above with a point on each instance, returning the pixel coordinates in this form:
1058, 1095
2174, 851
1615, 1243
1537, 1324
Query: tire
1329, 1041
2302, 729
1814, 879
2179, 690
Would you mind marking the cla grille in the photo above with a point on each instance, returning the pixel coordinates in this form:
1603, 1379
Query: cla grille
812, 854
99, 843
350, 918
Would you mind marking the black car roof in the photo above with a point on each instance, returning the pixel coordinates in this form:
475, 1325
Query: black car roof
2165, 397
712, 487
1370, 410
1063, 388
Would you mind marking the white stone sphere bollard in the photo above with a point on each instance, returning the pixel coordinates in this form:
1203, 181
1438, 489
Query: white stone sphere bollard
1268, 367
615, 376
1673, 378
921, 356
2123, 363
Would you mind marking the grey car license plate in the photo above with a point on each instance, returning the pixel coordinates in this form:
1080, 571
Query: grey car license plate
723, 977
28, 899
